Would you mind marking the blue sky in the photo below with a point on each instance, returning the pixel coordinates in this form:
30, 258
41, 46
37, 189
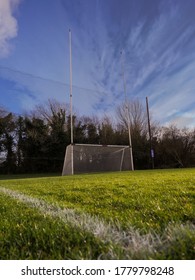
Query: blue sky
157, 38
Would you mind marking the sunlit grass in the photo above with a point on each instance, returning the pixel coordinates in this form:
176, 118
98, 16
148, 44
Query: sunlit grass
144, 199
151, 212
27, 234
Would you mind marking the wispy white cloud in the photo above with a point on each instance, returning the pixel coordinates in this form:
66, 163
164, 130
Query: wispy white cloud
8, 25
161, 64
183, 120
176, 96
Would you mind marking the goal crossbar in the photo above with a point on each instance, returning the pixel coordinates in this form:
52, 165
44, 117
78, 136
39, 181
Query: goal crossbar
88, 158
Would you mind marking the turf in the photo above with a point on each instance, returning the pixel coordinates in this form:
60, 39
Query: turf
158, 202
26, 234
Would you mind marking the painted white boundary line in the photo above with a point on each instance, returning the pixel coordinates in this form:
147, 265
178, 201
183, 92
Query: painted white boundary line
131, 241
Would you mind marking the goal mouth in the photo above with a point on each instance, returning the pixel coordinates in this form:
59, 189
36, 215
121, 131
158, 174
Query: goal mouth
93, 158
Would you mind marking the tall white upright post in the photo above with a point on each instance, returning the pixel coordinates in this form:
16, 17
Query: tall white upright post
71, 116
127, 112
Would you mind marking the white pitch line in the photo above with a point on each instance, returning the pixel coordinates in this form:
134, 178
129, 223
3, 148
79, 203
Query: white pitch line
131, 241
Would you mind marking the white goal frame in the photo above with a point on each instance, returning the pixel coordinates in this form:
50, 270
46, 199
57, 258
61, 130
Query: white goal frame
87, 158
92, 158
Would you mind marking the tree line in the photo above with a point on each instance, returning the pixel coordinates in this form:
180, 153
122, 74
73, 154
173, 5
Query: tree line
36, 142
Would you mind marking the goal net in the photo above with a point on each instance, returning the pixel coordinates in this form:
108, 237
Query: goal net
87, 158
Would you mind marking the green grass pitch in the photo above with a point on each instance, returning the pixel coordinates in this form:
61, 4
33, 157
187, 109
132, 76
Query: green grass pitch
121, 215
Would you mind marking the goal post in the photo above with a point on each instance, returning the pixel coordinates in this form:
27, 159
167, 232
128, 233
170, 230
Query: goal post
88, 158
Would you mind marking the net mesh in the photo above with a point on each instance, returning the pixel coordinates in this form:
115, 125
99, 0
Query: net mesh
96, 158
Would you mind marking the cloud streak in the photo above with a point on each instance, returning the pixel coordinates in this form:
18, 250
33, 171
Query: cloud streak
160, 60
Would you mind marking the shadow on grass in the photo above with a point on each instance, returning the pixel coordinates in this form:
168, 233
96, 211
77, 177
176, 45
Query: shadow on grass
28, 176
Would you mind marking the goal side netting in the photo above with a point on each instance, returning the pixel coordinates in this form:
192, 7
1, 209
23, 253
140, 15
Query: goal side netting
86, 158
